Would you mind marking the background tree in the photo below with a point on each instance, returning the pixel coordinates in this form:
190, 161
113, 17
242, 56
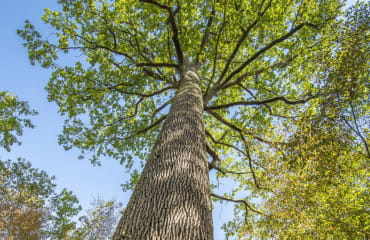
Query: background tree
30, 206
235, 74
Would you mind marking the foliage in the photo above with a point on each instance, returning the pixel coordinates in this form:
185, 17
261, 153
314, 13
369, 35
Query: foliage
284, 95
99, 223
317, 184
115, 96
30, 206
13, 119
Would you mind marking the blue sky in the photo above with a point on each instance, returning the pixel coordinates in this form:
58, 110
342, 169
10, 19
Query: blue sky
39, 145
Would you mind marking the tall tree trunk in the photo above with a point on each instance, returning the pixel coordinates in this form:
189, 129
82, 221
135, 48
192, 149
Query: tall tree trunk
172, 198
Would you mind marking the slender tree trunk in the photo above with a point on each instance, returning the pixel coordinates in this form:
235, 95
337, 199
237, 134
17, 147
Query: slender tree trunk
172, 199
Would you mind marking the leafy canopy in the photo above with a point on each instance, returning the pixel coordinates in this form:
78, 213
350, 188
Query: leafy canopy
127, 56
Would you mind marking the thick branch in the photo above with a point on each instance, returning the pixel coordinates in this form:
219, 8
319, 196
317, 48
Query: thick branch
215, 158
216, 53
205, 38
262, 102
241, 40
175, 31
144, 130
155, 123
150, 64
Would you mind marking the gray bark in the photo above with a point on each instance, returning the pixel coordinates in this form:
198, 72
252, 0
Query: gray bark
172, 198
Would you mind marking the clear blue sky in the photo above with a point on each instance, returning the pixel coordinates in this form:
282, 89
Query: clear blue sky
40, 145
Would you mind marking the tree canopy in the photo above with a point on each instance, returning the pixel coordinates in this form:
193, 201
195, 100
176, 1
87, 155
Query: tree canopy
285, 91
117, 93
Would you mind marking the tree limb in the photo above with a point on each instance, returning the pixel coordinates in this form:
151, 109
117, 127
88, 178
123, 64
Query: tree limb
215, 158
238, 80
241, 40
157, 110
152, 125
262, 102
237, 129
127, 117
224, 171
246, 204
115, 87
263, 50
175, 31
150, 64
250, 161
216, 52
205, 38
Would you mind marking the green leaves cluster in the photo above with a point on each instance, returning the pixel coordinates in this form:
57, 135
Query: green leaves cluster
13, 119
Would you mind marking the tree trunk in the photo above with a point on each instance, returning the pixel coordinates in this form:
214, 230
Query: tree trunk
172, 198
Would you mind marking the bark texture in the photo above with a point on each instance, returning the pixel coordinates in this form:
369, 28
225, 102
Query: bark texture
172, 198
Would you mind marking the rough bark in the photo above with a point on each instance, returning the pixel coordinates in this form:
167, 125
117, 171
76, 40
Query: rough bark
172, 198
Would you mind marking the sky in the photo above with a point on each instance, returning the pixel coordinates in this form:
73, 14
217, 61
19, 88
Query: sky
39, 145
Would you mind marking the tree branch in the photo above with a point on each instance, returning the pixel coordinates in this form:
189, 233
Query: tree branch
155, 123
263, 50
230, 146
150, 64
175, 31
262, 102
115, 87
250, 161
216, 53
127, 117
205, 38
237, 129
152, 125
215, 158
241, 40
161, 107
356, 130
224, 171
279, 64
246, 204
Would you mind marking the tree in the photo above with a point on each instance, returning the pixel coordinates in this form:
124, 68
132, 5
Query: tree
30, 206
173, 81
319, 180
99, 223
13, 119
